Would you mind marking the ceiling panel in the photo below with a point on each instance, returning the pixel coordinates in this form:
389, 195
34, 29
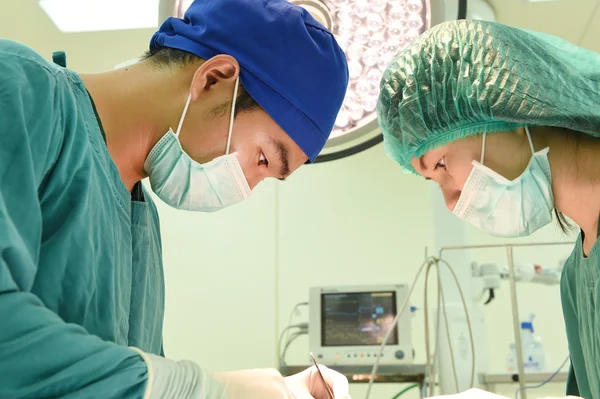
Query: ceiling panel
591, 38
563, 18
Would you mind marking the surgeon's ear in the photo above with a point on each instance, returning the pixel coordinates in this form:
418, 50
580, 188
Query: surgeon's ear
219, 69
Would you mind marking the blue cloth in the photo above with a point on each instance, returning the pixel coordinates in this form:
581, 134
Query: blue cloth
80, 264
290, 64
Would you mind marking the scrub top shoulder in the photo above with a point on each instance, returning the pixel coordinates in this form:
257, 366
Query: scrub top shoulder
580, 296
81, 273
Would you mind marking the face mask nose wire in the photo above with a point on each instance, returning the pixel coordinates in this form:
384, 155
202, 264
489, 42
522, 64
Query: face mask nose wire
232, 116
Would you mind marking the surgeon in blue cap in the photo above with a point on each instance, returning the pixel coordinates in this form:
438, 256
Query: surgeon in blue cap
235, 92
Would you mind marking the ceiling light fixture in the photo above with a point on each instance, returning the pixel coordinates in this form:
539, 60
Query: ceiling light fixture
101, 15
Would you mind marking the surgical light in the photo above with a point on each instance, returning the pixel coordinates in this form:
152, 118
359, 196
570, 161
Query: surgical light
371, 33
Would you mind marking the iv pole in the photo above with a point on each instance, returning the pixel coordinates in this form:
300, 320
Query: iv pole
513, 295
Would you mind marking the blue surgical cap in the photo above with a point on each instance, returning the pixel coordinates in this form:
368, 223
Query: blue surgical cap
290, 63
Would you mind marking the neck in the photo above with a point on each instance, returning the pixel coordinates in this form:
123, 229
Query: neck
134, 113
575, 166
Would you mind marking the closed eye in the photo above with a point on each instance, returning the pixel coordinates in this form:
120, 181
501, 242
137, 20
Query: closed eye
262, 160
440, 164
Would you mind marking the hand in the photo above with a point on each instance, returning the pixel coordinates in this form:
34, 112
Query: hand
566, 397
251, 384
269, 384
471, 394
479, 394
308, 384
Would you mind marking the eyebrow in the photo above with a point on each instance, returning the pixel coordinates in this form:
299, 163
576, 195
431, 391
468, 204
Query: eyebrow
283, 157
423, 167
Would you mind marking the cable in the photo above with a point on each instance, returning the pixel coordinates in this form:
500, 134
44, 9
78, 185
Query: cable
431, 365
437, 341
424, 387
427, 345
428, 363
491, 297
298, 326
402, 392
372, 142
289, 342
448, 334
545, 382
462, 297
448, 338
392, 328
291, 319
403, 308
282, 338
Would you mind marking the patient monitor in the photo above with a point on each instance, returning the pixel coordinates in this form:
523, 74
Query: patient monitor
348, 325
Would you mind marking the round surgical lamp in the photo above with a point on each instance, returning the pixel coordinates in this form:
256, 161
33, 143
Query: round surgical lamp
371, 33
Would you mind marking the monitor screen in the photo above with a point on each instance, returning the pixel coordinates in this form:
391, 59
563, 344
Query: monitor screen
357, 319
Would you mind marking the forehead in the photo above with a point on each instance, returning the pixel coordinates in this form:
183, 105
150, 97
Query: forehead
464, 143
415, 163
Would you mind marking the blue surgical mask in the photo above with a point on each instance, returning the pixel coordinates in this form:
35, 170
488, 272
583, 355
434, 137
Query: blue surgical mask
505, 208
185, 184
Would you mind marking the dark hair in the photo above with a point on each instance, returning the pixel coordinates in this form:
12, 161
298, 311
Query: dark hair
168, 57
566, 226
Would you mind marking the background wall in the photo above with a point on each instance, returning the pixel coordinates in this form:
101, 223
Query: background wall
354, 221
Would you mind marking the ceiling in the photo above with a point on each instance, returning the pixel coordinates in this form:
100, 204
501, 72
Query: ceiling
90, 52
577, 21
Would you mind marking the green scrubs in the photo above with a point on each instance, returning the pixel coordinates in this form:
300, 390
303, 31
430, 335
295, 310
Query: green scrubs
81, 274
580, 295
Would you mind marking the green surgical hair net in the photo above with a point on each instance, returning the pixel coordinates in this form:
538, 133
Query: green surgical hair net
462, 78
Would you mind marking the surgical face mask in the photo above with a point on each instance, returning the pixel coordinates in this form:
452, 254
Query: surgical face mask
506, 208
185, 184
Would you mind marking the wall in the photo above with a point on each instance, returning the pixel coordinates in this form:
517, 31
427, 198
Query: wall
355, 221
337, 223
233, 276
380, 236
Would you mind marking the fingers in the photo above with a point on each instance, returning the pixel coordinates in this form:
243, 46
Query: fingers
475, 393
308, 384
564, 397
337, 382
302, 394
298, 385
472, 393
